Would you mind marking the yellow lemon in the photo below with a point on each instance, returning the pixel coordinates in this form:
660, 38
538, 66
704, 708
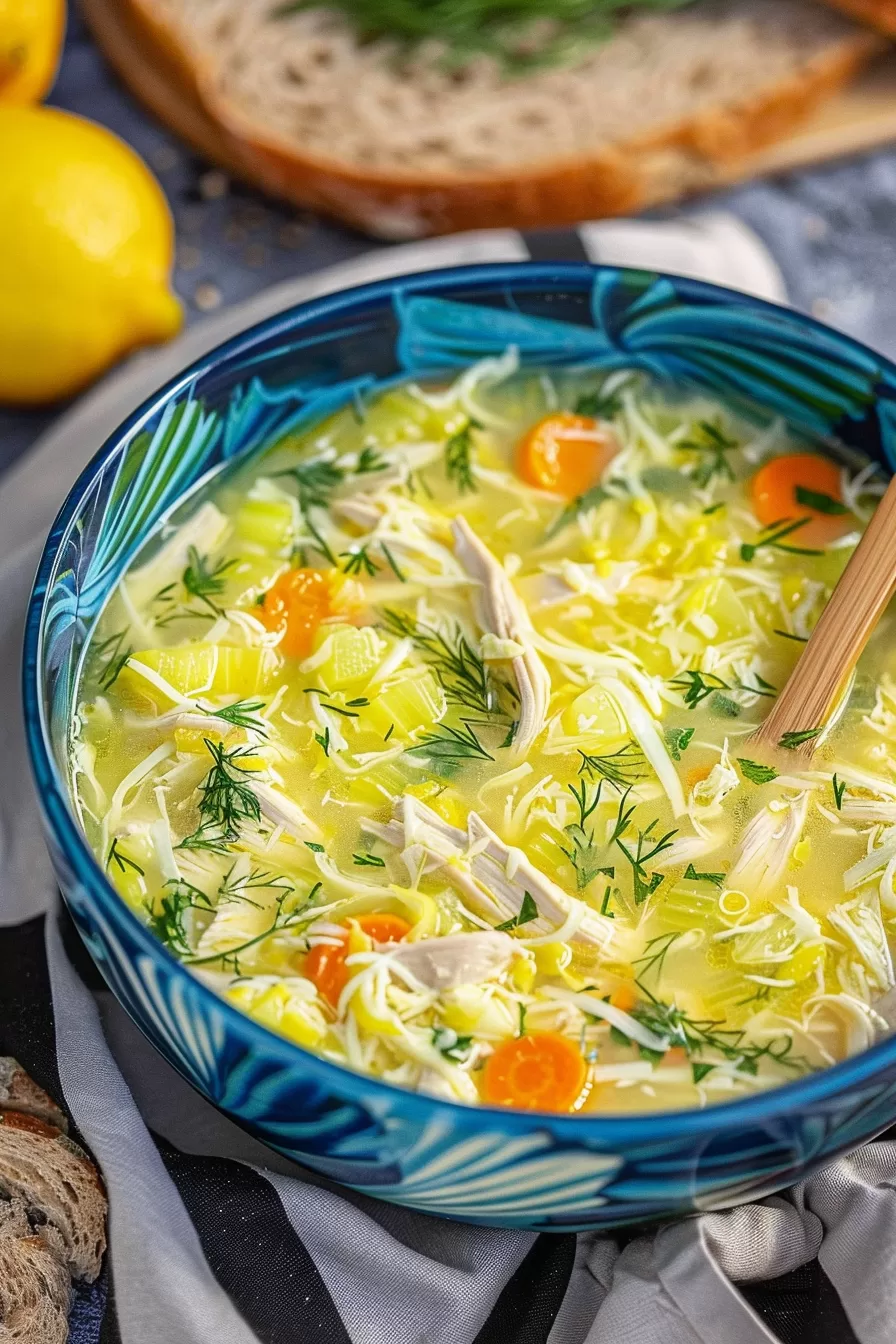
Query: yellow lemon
31, 34
86, 245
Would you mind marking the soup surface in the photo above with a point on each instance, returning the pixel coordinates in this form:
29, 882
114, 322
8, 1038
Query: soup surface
423, 742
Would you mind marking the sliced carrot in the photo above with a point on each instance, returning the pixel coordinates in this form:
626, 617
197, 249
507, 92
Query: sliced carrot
326, 969
296, 605
541, 1072
565, 453
784, 487
325, 964
384, 928
676, 1055
624, 998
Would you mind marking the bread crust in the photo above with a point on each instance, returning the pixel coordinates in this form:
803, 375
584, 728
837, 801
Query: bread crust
668, 163
880, 14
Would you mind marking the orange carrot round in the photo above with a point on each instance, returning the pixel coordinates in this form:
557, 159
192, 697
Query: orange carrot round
325, 967
295, 605
325, 964
384, 928
540, 1072
565, 453
785, 488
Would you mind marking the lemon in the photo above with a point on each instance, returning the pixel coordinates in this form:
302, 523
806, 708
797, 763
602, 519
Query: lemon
86, 244
31, 34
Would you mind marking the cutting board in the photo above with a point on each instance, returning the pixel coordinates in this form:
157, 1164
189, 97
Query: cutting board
861, 117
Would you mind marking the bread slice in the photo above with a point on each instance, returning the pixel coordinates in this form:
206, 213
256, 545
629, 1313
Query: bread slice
18, 1092
35, 1288
880, 14
41, 1168
402, 148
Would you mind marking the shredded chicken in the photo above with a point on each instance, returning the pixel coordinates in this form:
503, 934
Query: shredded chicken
458, 959
503, 614
493, 877
765, 848
282, 811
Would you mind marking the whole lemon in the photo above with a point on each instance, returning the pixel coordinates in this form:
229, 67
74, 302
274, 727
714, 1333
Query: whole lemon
31, 33
86, 244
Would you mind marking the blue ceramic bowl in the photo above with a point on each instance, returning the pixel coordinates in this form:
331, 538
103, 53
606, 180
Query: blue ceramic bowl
483, 1165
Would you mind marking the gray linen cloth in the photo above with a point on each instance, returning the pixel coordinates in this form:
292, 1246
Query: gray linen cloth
396, 1277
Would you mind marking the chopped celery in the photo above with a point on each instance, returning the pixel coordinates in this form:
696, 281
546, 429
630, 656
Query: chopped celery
683, 907
353, 655
200, 669
378, 785
406, 706
266, 522
444, 801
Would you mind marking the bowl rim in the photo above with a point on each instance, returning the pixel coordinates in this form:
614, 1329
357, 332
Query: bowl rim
617, 1132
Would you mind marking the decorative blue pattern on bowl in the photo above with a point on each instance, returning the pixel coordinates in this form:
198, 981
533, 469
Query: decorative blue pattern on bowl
483, 1165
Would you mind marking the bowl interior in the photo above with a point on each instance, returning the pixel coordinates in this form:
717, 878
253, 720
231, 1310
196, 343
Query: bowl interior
298, 367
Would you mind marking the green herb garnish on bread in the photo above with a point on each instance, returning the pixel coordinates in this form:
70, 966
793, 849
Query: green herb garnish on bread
409, 118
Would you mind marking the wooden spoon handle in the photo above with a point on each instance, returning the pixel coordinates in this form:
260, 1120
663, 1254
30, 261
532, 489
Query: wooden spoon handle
856, 604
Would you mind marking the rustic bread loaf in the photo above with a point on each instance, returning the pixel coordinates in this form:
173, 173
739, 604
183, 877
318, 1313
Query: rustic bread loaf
52, 1213
40, 1166
35, 1287
402, 146
18, 1092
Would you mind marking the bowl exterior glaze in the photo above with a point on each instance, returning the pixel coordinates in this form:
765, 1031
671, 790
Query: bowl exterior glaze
481, 1165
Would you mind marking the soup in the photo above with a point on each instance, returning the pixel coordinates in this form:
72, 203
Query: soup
422, 741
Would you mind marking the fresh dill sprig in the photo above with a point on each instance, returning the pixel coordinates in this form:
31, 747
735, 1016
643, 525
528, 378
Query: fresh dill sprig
711, 445
225, 800
369, 459
695, 1035
315, 482
839, 787
242, 714
323, 741
202, 583
581, 504
168, 922
790, 741
283, 919
391, 562
691, 875
773, 536
820, 502
599, 405
798, 639
586, 856
527, 912
121, 861
347, 711
445, 743
655, 952
235, 888
647, 847
359, 561
460, 456
696, 686
368, 861
512, 32
762, 687
461, 672
621, 768
116, 654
